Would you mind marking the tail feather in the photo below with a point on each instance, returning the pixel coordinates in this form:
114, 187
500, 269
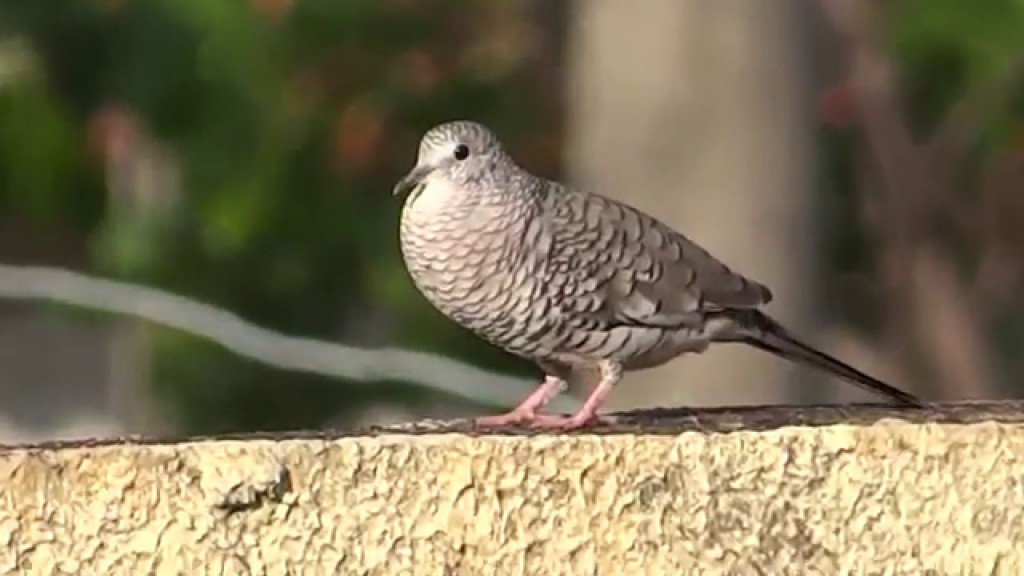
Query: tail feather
770, 336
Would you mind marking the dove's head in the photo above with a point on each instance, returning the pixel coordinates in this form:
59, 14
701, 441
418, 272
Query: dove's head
463, 152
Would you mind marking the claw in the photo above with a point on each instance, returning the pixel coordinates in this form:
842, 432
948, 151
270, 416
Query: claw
508, 419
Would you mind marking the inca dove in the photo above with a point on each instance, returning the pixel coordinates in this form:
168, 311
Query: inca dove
576, 282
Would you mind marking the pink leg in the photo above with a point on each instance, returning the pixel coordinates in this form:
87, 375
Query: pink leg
526, 412
610, 375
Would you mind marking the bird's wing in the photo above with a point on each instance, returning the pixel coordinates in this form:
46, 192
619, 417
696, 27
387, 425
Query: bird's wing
638, 271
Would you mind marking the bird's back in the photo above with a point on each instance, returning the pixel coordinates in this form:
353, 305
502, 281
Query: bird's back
642, 271
606, 280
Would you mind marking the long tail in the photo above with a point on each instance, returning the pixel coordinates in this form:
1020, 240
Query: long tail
770, 336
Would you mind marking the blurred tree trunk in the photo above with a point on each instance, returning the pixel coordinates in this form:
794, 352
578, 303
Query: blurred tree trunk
699, 112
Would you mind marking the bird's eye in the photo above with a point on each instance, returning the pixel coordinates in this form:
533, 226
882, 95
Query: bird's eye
461, 152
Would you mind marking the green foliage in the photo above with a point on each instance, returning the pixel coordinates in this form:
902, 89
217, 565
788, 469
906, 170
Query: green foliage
40, 159
951, 50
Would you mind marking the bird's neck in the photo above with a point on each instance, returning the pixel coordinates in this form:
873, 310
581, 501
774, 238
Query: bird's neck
437, 197
497, 201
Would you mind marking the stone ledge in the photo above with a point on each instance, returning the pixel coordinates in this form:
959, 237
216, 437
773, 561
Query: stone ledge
776, 490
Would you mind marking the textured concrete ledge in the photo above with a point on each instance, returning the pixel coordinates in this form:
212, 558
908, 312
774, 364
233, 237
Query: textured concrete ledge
757, 490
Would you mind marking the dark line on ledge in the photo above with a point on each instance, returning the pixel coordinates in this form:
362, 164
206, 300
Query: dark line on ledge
657, 421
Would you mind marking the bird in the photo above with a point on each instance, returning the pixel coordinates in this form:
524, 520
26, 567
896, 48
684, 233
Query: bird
580, 284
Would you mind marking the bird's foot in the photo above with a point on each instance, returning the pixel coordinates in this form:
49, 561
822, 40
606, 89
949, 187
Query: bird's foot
554, 422
564, 423
513, 418
526, 412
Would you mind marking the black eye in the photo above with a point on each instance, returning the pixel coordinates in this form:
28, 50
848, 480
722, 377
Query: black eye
461, 152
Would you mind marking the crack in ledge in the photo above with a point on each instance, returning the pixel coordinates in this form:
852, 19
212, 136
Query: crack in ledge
657, 421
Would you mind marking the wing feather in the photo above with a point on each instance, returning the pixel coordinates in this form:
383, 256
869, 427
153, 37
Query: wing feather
638, 271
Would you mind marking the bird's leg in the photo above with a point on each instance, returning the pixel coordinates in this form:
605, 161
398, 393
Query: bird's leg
611, 373
526, 412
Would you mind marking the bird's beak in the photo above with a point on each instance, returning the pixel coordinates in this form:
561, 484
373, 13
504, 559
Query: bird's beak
412, 179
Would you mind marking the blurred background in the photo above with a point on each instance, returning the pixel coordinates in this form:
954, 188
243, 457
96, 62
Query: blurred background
197, 233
